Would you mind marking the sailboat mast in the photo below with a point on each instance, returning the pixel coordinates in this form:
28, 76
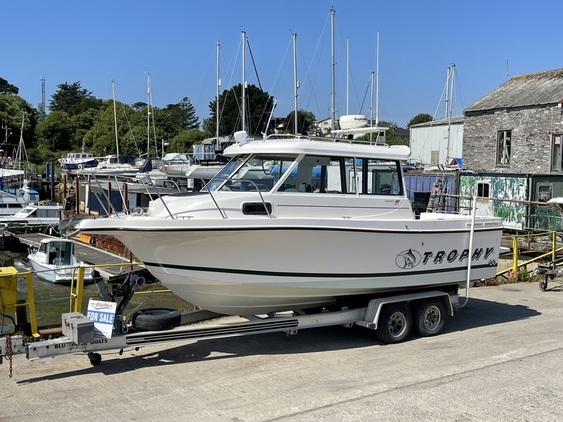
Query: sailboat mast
148, 114
217, 147
347, 72
115, 117
377, 81
371, 78
295, 85
243, 80
449, 98
333, 89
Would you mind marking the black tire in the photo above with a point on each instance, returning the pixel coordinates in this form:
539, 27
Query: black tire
543, 286
95, 358
156, 319
395, 323
430, 317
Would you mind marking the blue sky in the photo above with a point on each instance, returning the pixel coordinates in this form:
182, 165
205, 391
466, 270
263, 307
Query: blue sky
95, 42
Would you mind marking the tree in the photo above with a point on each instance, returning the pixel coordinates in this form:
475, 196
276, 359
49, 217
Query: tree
182, 116
12, 109
258, 106
420, 118
7, 88
73, 99
184, 141
305, 122
55, 132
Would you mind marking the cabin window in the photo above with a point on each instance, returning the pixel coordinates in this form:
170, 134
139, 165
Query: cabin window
556, 153
503, 147
483, 190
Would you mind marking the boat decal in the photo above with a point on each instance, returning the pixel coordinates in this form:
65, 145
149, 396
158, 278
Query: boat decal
285, 228
411, 258
489, 264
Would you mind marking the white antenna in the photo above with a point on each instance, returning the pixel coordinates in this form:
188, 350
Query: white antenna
507, 75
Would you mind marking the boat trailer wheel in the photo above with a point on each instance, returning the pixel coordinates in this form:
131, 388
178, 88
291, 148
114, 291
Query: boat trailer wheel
430, 317
395, 323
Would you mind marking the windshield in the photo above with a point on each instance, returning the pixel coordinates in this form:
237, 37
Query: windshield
254, 172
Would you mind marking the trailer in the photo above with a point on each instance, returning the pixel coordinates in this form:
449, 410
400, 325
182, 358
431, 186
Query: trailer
392, 317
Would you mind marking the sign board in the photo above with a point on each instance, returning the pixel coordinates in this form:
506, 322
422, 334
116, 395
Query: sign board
103, 315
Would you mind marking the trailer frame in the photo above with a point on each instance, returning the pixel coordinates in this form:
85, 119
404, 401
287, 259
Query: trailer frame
205, 325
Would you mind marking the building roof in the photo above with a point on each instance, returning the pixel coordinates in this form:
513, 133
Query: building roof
534, 89
440, 122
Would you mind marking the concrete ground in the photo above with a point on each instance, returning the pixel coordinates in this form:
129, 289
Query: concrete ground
499, 359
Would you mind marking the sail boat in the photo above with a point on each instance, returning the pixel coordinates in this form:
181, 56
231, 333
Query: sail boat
350, 124
110, 165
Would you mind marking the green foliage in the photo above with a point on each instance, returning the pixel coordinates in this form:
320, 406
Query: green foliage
7, 88
420, 118
305, 122
184, 141
12, 109
78, 120
258, 107
182, 115
55, 132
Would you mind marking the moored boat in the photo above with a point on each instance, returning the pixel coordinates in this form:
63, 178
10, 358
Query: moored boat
295, 223
77, 160
55, 260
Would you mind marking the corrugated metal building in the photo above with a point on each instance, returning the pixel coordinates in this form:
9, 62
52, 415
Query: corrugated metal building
437, 143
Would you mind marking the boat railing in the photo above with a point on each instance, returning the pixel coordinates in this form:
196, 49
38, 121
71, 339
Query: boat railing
221, 211
120, 182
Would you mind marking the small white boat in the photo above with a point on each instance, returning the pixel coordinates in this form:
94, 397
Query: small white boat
34, 217
55, 260
11, 203
295, 224
175, 163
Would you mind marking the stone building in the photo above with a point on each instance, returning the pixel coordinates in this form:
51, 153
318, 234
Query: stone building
518, 127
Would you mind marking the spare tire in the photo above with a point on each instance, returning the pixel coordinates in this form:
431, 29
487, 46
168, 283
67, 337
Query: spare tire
156, 319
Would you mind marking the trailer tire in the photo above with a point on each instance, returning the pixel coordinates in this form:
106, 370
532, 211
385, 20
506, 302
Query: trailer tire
156, 319
395, 323
430, 317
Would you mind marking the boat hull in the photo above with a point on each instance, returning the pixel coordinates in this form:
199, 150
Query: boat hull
242, 269
58, 274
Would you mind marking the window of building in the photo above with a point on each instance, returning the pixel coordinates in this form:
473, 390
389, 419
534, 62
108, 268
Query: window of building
503, 147
482, 190
544, 193
556, 153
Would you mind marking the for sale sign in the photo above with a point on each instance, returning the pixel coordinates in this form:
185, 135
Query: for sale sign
103, 315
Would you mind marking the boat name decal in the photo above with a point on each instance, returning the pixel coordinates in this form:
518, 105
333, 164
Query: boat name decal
72, 345
411, 257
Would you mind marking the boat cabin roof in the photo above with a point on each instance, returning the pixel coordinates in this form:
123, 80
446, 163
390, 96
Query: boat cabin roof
331, 148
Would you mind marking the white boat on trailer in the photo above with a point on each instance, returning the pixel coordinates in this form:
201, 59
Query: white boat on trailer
298, 224
342, 246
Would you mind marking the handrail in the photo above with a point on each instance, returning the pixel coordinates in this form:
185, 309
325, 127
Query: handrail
223, 214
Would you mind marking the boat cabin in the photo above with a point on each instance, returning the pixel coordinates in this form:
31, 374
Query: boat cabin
57, 252
354, 174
